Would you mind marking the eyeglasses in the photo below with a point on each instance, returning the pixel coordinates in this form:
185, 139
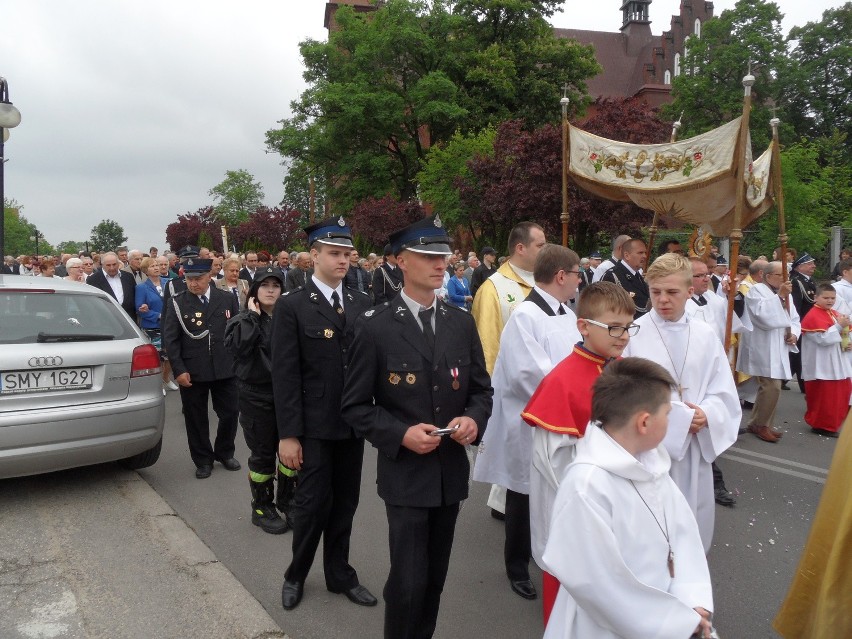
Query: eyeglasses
702, 276
616, 331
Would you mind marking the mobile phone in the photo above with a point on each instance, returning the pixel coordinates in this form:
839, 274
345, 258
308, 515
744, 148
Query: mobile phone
441, 432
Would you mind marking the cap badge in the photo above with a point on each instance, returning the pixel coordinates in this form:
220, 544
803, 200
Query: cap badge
369, 313
328, 333
189, 262
340, 222
438, 222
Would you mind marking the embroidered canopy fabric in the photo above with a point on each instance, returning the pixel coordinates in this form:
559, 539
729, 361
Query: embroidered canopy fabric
693, 180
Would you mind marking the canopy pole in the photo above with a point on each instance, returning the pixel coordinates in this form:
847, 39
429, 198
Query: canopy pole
565, 156
736, 232
654, 224
779, 202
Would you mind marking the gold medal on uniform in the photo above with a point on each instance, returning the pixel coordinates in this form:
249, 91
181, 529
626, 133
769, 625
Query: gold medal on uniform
455, 373
410, 378
393, 378
328, 333
199, 314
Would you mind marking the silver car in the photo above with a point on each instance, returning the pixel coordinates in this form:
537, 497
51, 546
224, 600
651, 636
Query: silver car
80, 383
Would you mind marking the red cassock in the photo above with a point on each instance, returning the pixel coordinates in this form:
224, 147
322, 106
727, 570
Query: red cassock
562, 404
827, 399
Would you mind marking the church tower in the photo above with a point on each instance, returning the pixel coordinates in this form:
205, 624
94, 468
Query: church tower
636, 25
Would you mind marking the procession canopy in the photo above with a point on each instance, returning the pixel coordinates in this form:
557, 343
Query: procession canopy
693, 180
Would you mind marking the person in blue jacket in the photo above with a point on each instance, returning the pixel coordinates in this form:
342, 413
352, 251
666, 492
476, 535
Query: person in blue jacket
149, 309
458, 288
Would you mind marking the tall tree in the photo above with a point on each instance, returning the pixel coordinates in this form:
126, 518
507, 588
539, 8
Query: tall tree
191, 227
709, 90
107, 235
390, 84
273, 229
818, 82
17, 231
236, 196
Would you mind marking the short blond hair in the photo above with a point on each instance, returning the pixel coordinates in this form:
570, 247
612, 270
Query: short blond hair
146, 262
670, 264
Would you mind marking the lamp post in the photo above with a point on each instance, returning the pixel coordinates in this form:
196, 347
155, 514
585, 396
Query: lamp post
34, 238
10, 117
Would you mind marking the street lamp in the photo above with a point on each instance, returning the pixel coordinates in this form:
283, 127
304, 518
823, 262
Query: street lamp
10, 117
34, 238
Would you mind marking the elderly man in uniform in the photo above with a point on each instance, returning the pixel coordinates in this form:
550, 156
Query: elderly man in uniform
387, 279
418, 390
602, 268
627, 274
804, 291
193, 327
312, 331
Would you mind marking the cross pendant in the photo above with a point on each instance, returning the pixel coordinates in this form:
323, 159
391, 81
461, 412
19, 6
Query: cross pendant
671, 563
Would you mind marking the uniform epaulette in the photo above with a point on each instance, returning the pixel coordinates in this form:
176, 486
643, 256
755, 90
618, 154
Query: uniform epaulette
355, 290
180, 292
455, 308
377, 310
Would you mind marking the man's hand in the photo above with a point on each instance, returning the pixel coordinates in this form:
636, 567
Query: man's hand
790, 339
417, 439
290, 452
785, 289
183, 380
699, 419
705, 627
467, 431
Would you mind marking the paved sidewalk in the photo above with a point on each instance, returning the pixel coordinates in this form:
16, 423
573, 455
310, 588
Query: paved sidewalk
96, 552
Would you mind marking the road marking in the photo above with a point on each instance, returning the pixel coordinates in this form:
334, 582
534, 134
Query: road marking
777, 466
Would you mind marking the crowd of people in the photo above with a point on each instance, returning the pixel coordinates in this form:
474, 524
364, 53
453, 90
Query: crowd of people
591, 394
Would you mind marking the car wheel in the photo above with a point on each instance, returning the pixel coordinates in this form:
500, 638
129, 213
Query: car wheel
145, 458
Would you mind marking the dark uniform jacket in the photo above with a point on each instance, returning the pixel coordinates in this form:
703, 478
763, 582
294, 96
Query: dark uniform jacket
194, 336
804, 291
387, 283
311, 348
392, 363
296, 278
128, 284
248, 338
634, 284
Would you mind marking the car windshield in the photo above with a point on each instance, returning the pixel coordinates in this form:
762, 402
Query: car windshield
30, 317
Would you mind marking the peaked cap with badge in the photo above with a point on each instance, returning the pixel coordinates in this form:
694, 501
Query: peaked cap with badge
427, 236
196, 267
332, 230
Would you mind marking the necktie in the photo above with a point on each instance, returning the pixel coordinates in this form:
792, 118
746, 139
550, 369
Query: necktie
426, 319
699, 299
236, 294
203, 300
335, 304
561, 310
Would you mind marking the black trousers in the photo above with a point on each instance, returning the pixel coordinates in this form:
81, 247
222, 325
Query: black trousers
421, 540
329, 489
796, 365
262, 439
517, 548
225, 403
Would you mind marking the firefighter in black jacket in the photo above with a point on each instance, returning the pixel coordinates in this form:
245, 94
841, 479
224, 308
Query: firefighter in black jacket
247, 337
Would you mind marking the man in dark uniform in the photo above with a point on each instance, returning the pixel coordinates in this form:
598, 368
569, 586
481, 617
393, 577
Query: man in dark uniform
388, 279
178, 284
417, 367
804, 291
716, 273
194, 337
312, 330
626, 274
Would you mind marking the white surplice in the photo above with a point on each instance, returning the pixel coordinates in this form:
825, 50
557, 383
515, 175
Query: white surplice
844, 291
763, 351
822, 357
715, 314
691, 352
531, 344
609, 553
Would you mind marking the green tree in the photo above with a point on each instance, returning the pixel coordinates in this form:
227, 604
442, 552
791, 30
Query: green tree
818, 82
446, 165
389, 85
71, 246
107, 235
17, 231
709, 91
297, 189
237, 196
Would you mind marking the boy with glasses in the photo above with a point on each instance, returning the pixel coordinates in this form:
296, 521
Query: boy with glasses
706, 413
561, 405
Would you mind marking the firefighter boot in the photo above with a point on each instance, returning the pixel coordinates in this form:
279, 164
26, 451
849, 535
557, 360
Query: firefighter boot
263, 511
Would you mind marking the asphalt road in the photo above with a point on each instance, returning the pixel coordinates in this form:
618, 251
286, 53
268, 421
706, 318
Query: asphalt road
756, 545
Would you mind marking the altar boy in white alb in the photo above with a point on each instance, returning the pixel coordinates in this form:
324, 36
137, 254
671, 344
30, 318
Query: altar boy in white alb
706, 412
638, 569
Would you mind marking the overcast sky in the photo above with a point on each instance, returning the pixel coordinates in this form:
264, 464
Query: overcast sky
132, 110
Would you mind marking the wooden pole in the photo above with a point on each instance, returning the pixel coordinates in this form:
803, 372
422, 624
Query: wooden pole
312, 206
736, 232
565, 157
779, 202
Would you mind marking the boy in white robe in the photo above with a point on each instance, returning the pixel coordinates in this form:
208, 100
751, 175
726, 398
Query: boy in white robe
637, 568
539, 334
706, 412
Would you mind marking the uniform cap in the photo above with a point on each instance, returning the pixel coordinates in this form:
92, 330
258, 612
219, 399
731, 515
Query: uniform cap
595, 255
426, 236
804, 258
195, 266
332, 230
264, 274
188, 251
721, 261
488, 250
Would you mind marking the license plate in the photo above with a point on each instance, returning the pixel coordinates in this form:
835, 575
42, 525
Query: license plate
15, 382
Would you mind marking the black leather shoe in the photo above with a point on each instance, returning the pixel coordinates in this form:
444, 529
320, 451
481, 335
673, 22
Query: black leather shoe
358, 595
498, 515
524, 588
230, 464
203, 471
747, 405
724, 497
291, 594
